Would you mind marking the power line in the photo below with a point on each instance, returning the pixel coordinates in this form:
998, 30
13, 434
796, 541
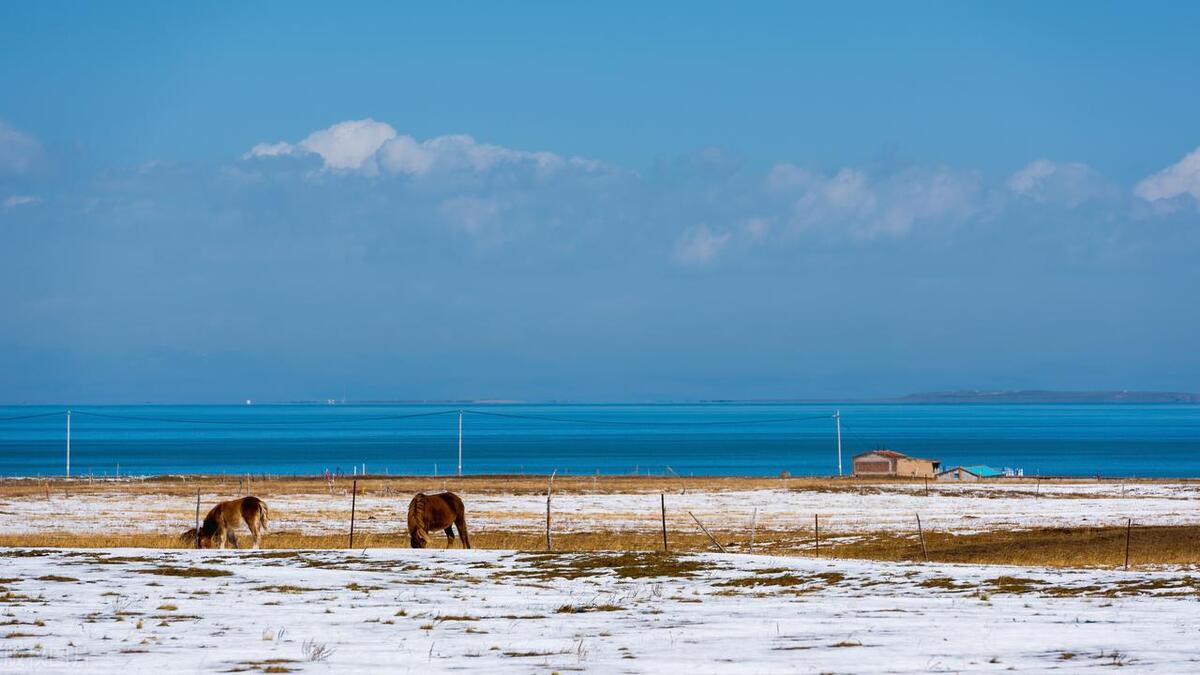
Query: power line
227, 422
33, 416
376, 418
547, 418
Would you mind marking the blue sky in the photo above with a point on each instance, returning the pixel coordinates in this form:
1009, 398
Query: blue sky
221, 201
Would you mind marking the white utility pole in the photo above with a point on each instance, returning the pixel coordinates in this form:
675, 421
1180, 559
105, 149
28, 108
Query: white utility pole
837, 417
68, 444
460, 413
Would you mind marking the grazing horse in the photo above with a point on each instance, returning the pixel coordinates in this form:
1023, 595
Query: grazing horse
224, 518
436, 512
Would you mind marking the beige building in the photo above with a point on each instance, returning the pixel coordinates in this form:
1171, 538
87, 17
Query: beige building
885, 463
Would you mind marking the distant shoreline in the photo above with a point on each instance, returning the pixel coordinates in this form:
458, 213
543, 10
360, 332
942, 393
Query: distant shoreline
658, 481
997, 397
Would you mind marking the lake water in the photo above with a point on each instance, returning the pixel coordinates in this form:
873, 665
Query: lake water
699, 439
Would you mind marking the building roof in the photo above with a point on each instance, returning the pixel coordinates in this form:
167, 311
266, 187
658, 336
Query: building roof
885, 453
978, 469
894, 455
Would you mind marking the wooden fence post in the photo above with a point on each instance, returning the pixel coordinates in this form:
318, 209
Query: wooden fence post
197, 517
706, 532
926, 486
753, 527
1128, 532
816, 535
353, 499
921, 536
663, 499
682, 480
549, 492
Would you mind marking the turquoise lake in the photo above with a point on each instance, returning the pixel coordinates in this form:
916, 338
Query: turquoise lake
700, 439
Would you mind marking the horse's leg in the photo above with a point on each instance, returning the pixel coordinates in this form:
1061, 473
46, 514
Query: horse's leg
449, 536
255, 529
461, 523
233, 538
222, 536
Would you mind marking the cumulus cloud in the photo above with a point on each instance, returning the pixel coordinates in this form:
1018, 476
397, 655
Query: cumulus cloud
699, 245
349, 145
1066, 183
20, 200
1180, 178
269, 150
460, 152
369, 146
870, 207
500, 194
19, 152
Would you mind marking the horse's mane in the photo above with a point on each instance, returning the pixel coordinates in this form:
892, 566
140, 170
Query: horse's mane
209, 527
416, 511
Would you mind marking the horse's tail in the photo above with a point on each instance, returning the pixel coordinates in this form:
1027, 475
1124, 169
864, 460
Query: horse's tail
264, 513
460, 521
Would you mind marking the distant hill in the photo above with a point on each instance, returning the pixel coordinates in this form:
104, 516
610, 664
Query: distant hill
1043, 396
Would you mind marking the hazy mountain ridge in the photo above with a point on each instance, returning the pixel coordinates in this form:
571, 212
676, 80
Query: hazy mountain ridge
1049, 396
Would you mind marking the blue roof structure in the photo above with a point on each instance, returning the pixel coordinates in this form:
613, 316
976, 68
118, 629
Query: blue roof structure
983, 471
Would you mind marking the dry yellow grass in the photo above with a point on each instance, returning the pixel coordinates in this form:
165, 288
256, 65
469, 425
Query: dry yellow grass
265, 486
1052, 547
302, 485
1046, 546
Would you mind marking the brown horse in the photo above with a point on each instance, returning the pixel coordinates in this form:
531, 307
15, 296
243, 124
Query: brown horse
224, 518
436, 512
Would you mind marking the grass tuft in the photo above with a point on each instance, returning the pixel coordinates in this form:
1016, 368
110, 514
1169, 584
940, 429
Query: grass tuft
168, 571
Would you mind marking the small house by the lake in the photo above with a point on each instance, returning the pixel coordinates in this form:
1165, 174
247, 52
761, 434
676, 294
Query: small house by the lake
970, 474
885, 463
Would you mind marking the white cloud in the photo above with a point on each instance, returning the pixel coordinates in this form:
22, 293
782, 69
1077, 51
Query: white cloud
1066, 183
699, 245
269, 150
19, 152
1180, 178
369, 146
21, 200
870, 207
925, 195
458, 152
349, 145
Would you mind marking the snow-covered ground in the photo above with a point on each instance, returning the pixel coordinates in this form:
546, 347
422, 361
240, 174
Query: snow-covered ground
143, 611
961, 508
